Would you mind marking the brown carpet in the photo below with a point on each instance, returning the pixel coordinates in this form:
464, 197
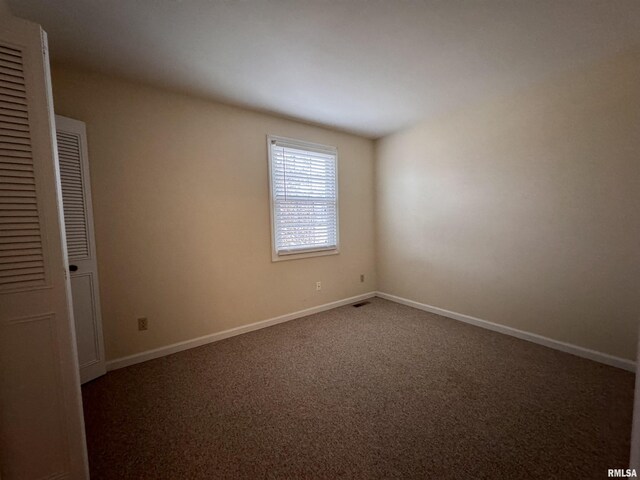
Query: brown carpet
381, 391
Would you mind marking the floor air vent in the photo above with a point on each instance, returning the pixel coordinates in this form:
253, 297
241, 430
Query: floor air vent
361, 304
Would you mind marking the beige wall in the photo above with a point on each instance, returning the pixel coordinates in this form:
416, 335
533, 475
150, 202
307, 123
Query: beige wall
181, 205
525, 210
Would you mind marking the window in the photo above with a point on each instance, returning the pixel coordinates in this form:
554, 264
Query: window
304, 198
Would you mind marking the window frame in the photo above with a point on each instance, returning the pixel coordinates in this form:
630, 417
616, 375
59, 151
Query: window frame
311, 252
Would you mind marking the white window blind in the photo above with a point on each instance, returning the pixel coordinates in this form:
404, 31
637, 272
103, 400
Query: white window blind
304, 191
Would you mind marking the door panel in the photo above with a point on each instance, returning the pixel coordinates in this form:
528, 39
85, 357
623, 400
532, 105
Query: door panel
28, 407
84, 314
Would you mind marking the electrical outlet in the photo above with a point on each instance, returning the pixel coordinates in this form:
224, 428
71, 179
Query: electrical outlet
361, 277
143, 324
318, 285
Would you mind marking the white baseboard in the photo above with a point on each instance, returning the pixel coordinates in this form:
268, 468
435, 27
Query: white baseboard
514, 332
214, 337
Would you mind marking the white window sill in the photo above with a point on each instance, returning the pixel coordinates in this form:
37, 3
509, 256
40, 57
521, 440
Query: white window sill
308, 254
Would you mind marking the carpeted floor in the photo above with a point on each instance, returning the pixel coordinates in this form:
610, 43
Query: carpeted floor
381, 391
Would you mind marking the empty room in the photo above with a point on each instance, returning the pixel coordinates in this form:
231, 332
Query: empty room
319, 239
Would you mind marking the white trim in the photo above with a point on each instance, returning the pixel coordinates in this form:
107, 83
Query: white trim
514, 332
214, 337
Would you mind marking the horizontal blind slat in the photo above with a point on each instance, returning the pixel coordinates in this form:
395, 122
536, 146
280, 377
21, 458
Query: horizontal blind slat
21, 250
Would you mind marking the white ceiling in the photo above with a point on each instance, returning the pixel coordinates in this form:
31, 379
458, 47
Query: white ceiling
369, 67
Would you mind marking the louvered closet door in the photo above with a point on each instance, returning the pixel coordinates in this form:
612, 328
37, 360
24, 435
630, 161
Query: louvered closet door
22, 262
41, 425
78, 219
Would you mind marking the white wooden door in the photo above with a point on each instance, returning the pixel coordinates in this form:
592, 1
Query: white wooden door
78, 218
41, 423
